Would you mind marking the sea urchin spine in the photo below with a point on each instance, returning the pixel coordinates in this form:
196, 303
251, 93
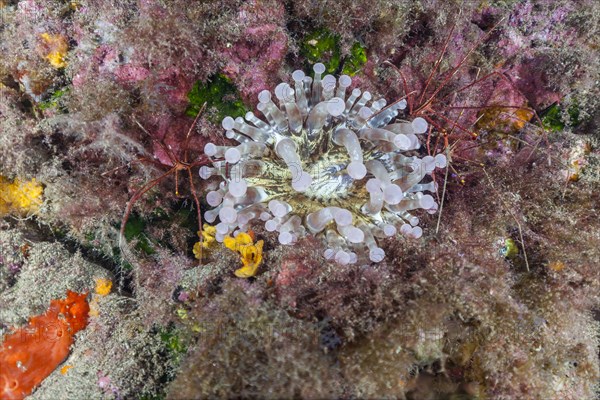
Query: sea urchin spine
323, 163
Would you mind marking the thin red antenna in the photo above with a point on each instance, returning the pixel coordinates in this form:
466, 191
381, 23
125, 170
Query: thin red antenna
167, 151
407, 94
460, 65
187, 136
437, 63
139, 194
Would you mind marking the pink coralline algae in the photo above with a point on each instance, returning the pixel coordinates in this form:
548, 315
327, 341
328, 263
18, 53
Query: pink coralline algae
531, 41
535, 82
254, 60
174, 84
131, 73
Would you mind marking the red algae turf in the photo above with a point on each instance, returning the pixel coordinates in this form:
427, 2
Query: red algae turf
29, 354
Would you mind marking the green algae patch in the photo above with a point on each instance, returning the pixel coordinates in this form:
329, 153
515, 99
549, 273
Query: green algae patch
324, 46
557, 116
355, 61
135, 230
55, 101
221, 97
173, 344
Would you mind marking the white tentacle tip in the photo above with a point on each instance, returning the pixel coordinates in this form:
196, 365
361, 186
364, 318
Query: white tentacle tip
343, 217
419, 125
319, 68
228, 123
341, 257
210, 149
302, 183
205, 172
356, 170
376, 254
228, 215
238, 188
232, 155
392, 194
336, 106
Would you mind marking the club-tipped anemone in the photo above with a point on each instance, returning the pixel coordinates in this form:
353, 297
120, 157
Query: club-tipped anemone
325, 161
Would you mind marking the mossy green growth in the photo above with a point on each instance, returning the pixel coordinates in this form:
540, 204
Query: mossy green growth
510, 249
557, 117
221, 97
135, 230
173, 343
54, 101
173, 348
355, 61
324, 47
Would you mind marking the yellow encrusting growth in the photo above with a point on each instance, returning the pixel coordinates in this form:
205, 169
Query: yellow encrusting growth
556, 266
251, 253
507, 120
55, 49
20, 197
207, 239
65, 368
103, 286
182, 313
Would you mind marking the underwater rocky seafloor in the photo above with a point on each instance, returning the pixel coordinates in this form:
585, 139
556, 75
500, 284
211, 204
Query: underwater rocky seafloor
499, 298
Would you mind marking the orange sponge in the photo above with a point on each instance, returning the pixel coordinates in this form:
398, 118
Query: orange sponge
29, 354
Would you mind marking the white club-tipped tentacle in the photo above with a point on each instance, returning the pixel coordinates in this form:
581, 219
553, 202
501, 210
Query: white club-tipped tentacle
347, 138
376, 253
285, 94
301, 100
351, 233
317, 87
352, 99
366, 97
392, 193
328, 83
286, 149
344, 83
279, 121
238, 124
